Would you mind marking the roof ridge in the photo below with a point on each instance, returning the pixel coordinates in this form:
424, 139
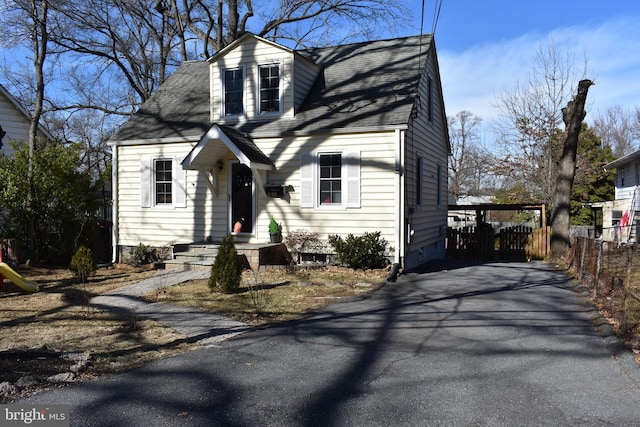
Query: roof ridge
364, 42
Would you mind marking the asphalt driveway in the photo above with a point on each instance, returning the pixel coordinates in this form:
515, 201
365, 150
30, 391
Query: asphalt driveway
494, 344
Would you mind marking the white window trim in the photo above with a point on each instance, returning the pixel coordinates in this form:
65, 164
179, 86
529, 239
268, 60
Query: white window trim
351, 186
154, 191
148, 184
223, 113
258, 79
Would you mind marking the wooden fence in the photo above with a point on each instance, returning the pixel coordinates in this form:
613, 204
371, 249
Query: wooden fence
517, 243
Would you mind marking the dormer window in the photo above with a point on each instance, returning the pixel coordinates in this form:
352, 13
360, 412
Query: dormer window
233, 92
269, 88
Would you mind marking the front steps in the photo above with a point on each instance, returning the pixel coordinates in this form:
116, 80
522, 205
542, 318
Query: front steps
199, 256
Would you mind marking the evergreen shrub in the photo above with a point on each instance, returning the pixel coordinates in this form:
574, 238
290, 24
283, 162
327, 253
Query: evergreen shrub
226, 271
82, 263
360, 252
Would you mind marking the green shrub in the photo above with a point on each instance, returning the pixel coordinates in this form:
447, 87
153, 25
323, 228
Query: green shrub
366, 251
82, 263
226, 271
142, 254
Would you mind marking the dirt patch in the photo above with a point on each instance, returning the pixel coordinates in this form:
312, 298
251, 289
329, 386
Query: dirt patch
274, 295
53, 337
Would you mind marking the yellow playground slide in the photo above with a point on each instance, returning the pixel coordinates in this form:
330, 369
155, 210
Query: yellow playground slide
17, 279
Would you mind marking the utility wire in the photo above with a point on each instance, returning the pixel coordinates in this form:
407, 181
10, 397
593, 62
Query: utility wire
436, 15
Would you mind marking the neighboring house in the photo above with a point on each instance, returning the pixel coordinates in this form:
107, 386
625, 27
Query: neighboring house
15, 121
620, 216
336, 140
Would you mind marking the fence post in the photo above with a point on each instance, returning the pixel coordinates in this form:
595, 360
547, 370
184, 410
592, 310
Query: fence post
584, 242
597, 276
625, 286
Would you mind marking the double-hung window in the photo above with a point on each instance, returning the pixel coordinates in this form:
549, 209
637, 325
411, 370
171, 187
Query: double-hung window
233, 92
162, 183
330, 179
163, 179
269, 88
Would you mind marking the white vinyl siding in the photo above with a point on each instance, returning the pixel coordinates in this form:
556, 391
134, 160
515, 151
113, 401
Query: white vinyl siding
14, 123
206, 214
368, 165
194, 213
626, 180
305, 75
426, 138
419, 179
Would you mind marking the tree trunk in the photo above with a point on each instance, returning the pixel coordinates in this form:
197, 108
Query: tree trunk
572, 115
40, 40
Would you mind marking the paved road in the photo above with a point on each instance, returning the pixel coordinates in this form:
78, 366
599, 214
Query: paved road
495, 345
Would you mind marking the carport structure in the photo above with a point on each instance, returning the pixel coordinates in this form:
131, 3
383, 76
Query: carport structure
516, 243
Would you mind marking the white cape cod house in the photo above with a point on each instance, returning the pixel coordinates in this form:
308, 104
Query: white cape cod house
335, 140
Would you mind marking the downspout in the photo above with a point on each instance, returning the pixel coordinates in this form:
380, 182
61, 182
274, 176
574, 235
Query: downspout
400, 199
114, 204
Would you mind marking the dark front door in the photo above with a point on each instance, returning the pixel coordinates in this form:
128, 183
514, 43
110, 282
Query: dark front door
242, 194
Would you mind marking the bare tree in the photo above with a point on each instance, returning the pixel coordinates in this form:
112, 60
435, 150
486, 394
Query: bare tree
469, 163
126, 48
619, 129
531, 114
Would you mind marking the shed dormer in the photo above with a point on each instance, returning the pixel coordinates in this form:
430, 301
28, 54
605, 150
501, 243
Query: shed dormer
254, 78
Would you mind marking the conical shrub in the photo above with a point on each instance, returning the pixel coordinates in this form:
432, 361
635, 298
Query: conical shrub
226, 271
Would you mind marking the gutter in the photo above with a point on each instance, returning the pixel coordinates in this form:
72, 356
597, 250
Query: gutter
114, 204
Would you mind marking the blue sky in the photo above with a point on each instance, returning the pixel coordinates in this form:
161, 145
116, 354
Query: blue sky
486, 47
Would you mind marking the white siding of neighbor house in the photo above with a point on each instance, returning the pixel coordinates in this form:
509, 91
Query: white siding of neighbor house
202, 215
14, 123
627, 178
377, 186
427, 140
248, 56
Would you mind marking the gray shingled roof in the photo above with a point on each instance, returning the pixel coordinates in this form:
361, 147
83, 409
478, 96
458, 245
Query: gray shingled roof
179, 108
246, 145
361, 85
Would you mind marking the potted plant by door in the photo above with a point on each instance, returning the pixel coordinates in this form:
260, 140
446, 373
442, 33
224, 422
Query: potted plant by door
275, 231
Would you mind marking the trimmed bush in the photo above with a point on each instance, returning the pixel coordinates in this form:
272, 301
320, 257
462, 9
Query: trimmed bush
366, 251
226, 271
142, 254
82, 263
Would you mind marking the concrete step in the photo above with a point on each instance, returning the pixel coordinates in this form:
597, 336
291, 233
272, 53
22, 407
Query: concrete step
196, 255
178, 264
201, 256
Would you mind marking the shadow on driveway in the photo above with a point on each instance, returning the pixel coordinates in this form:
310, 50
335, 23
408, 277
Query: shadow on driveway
490, 344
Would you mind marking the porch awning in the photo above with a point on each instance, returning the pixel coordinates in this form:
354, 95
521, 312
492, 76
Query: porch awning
214, 144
